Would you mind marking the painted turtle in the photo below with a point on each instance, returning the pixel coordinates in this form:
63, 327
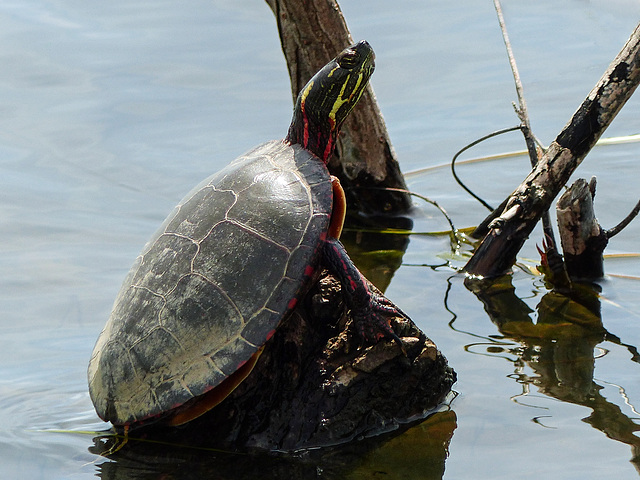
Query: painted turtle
230, 262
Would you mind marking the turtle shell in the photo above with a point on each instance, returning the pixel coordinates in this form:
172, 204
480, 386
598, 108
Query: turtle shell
213, 283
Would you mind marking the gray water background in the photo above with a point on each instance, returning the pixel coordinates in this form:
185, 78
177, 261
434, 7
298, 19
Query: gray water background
110, 112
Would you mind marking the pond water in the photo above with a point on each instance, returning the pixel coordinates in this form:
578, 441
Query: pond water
111, 111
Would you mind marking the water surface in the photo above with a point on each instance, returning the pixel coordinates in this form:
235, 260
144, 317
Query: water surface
110, 113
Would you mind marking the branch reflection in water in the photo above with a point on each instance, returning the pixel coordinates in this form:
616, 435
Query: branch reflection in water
561, 347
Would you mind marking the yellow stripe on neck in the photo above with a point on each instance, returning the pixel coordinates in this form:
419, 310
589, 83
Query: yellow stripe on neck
341, 100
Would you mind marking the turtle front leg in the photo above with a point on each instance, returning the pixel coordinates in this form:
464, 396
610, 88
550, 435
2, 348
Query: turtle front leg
368, 307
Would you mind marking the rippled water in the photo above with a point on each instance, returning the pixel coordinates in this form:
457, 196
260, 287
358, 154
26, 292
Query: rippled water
110, 112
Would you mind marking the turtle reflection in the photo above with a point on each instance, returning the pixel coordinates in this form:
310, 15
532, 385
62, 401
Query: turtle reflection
425, 443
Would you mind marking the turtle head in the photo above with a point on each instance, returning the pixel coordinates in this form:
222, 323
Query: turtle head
328, 98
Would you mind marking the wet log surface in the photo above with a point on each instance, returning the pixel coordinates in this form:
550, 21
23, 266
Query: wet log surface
315, 385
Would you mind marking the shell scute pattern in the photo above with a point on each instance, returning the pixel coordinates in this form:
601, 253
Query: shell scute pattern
197, 301
240, 253
147, 307
254, 331
212, 283
171, 257
156, 363
205, 202
228, 358
286, 220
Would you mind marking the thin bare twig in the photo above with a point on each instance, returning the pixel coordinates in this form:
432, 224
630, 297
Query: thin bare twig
521, 110
626, 221
523, 115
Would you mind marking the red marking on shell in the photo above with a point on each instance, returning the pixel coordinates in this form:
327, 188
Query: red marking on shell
270, 334
309, 270
292, 304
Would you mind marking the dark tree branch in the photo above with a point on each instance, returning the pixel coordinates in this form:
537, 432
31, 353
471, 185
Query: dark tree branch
524, 207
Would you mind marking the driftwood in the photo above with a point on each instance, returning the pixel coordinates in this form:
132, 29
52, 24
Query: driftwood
311, 33
506, 230
314, 385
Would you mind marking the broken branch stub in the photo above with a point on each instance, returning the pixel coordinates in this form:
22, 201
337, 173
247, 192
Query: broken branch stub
583, 240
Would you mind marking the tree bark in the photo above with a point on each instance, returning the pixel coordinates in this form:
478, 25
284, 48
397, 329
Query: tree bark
583, 239
497, 252
311, 34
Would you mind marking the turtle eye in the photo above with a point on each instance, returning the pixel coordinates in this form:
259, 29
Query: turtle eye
347, 58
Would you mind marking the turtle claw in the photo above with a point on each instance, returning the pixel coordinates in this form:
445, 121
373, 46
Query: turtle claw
370, 309
372, 322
